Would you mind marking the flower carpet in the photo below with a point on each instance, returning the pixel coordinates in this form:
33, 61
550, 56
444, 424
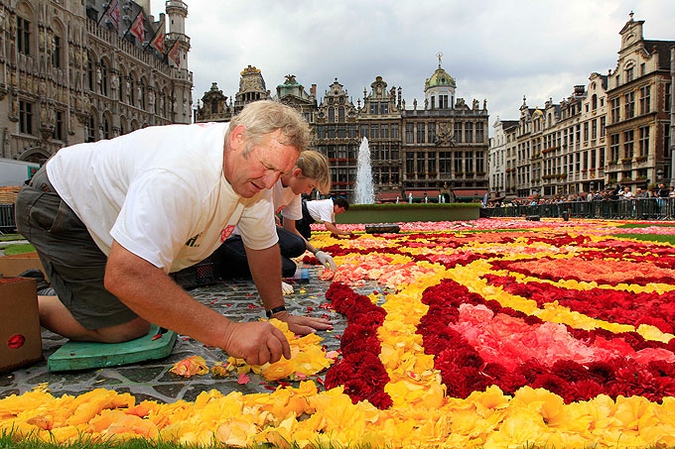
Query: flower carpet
494, 333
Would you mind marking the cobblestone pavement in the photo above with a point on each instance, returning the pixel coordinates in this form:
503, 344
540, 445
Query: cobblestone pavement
236, 299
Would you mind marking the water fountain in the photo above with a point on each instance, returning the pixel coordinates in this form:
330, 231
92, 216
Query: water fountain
382, 218
365, 192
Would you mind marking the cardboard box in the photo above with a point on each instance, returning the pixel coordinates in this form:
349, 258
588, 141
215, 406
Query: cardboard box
20, 333
14, 265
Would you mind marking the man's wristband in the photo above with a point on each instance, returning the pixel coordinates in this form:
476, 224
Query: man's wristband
271, 312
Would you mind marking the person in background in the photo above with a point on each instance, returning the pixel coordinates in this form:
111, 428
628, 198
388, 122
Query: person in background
322, 211
111, 219
311, 172
626, 194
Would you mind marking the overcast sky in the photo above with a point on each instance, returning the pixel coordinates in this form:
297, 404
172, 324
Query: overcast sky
497, 50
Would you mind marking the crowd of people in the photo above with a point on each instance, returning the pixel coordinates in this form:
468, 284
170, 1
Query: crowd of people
659, 192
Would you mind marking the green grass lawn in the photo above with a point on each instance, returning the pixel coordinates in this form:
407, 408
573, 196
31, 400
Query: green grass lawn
7, 442
649, 237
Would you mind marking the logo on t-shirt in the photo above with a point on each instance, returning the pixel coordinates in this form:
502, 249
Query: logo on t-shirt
226, 232
192, 241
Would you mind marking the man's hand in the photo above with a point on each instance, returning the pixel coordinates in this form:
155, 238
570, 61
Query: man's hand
257, 343
326, 260
303, 325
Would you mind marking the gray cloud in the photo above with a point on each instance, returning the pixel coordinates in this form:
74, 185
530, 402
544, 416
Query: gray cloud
498, 50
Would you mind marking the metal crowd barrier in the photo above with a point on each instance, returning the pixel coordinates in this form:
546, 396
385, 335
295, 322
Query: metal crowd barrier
7, 221
637, 209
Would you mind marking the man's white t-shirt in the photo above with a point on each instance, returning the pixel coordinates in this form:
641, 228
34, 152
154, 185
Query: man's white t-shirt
321, 210
160, 192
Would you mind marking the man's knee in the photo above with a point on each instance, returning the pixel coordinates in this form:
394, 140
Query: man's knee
136, 328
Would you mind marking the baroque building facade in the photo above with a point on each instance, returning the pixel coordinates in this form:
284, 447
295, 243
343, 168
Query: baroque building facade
438, 149
617, 130
75, 71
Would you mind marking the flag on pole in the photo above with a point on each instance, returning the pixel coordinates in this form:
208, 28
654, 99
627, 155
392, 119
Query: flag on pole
174, 54
138, 28
112, 13
158, 41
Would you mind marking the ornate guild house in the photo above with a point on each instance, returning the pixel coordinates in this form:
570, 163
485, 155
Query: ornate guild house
82, 70
438, 149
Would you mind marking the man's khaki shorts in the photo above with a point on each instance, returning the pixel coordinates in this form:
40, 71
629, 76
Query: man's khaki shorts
72, 261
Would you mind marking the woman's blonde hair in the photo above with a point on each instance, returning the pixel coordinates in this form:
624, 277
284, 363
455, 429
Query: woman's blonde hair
314, 165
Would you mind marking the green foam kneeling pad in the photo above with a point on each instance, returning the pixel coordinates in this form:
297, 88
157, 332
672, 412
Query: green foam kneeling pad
79, 355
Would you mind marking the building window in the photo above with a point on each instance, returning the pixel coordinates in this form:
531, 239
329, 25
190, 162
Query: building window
628, 144
444, 162
364, 131
342, 131
384, 108
374, 131
104, 78
469, 162
668, 94
630, 105
602, 126
56, 52
614, 148
25, 117
431, 163
594, 102
420, 133
374, 108
351, 131
91, 130
394, 131
59, 126
643, 147
459, 162
458, 132
410, 164
106, 128
586, 131
341, 114
443, 102
90, 72
594, 129
421, 168
409, 133
645, 94
468, 132
480, 133
431, 132
23, 35
384, 129
331, 115
616, 110
629, 74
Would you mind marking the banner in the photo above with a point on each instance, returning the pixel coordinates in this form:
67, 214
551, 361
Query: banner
138, 27
174, 54
158, 41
